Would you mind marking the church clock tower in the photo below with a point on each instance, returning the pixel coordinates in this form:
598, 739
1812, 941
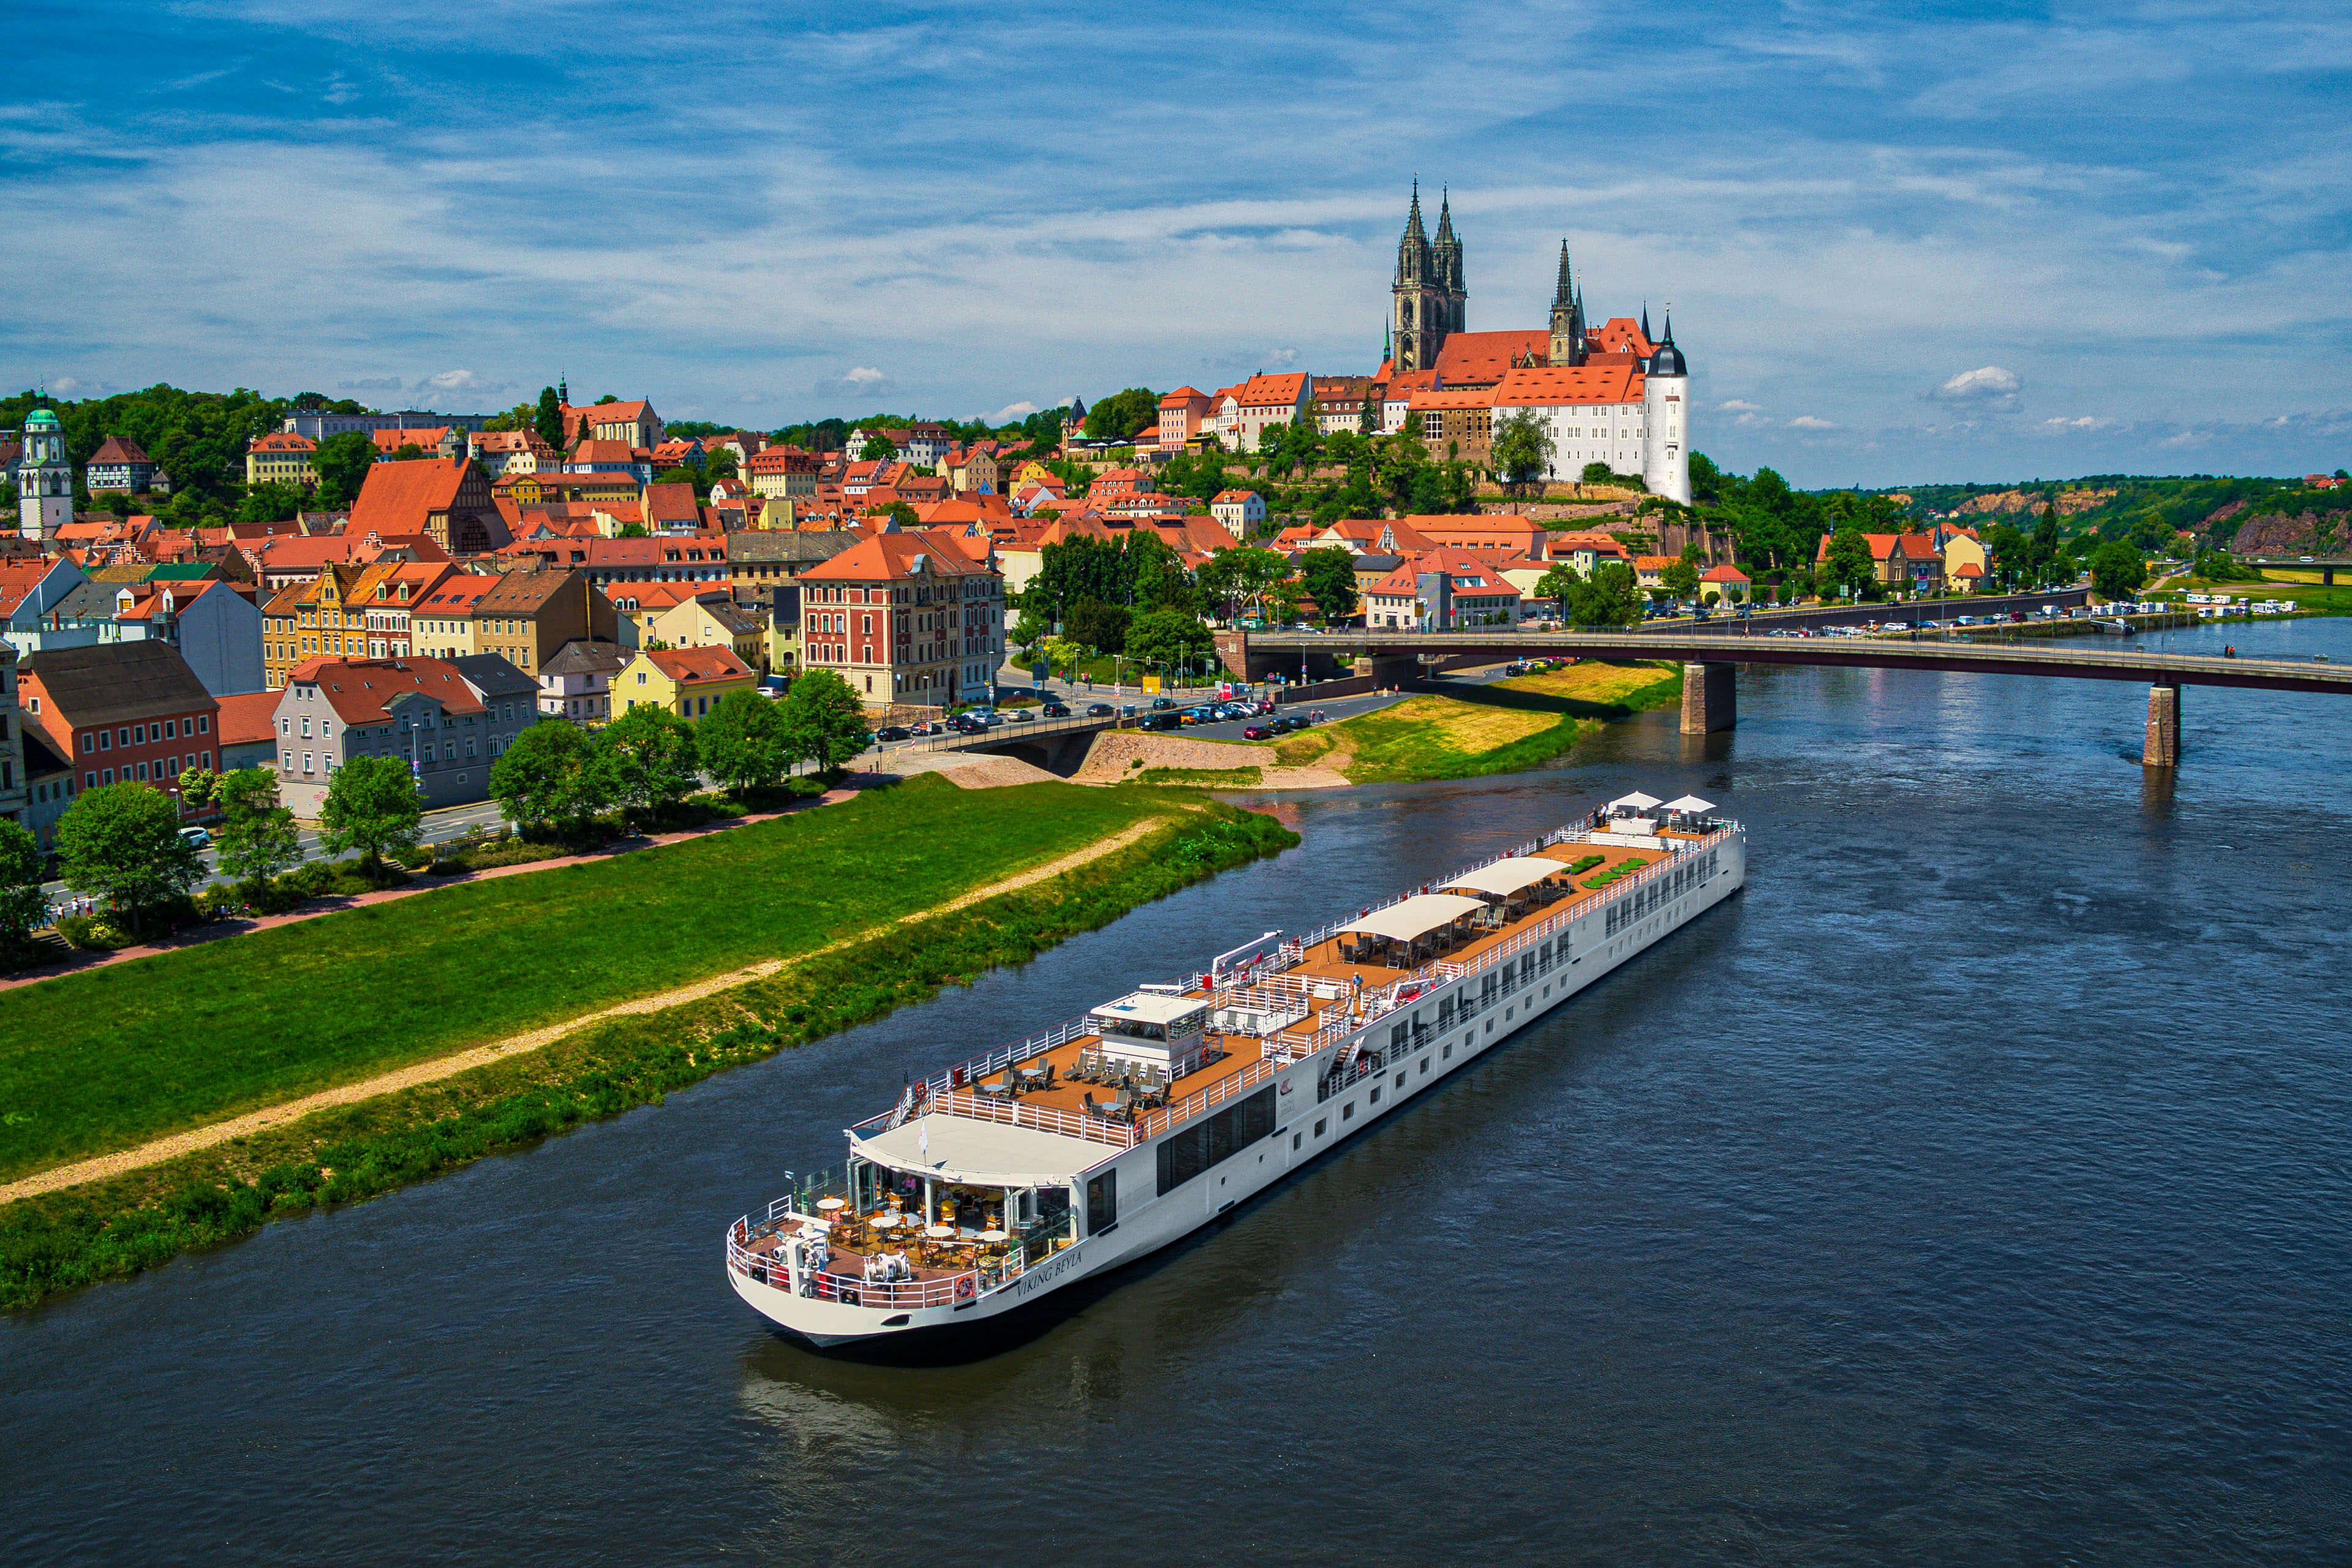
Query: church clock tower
1568, 341
44, 478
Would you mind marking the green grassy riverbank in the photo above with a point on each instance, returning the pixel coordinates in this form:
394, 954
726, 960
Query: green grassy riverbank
119, 1224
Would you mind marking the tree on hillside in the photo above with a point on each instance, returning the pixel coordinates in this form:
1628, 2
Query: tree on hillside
272, 501
878, 450
342, 463
824, 723
372, 808
648, 758
257, 838
741, 741
551, 774
21, 899
121, 843
2117, 569
549, 422
1523, 449
1123, 414
1328, 574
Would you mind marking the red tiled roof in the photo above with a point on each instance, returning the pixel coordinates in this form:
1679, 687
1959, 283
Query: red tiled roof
424, 441
283, 441
1271, 391
248, 717
358, 689
1484, 358
885, 557
119, 449
683, 664
1544, 386
396, 496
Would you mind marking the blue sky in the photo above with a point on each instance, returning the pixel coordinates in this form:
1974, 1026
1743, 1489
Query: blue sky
1903, 243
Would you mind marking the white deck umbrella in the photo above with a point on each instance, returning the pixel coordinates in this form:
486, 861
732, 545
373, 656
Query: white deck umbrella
1690, 803
1408, 919
1637, 801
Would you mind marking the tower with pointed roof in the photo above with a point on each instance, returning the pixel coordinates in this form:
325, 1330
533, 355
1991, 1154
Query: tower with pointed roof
1569, 343
1423, 311
1447, 252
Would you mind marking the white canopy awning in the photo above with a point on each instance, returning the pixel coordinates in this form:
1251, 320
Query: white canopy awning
1690, 803
1507, 876
1415, 917
1637, 801
992, 1153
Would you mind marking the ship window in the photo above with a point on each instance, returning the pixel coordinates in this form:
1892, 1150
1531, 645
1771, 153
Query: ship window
1102, 1202
1400, 1080
1186, 1153
1321, 1123
1449, 1053
1376, 1096
1347, 1111
1298, 1139
1424, 1067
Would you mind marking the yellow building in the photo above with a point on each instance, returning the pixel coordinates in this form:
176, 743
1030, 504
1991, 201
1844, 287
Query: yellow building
689, 681
714, 620
283, 457
1965, 549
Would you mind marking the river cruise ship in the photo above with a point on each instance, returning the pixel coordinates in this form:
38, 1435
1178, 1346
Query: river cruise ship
1006, 1177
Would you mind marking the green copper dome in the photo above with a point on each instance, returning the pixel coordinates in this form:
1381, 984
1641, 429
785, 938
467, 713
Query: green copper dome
40, 419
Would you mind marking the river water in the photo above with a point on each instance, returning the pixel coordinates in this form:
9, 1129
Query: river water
1973, 1188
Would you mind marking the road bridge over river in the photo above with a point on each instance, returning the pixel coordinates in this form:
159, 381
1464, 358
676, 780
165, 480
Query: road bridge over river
1708, 658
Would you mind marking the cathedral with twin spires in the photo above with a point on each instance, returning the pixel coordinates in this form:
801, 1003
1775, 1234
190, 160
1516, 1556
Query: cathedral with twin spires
1608, 392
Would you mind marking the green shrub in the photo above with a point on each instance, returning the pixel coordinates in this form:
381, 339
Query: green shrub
91, 934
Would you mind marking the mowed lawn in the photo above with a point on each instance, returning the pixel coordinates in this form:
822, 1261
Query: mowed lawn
99, 1061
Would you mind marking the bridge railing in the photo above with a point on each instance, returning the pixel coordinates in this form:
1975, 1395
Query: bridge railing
1013, 729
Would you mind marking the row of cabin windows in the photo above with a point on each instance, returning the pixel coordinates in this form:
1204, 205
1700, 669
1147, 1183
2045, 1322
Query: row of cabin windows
144, 734
1689, 874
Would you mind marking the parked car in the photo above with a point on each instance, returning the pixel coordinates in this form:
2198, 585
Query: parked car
1161, 704
1256, 732
194, 837
965, 725
894, 733
1023, 714
1163, 721
1054, 710
1100, 709
928, 727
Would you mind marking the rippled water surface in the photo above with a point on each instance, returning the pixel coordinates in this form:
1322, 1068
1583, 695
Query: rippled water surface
1973, 1188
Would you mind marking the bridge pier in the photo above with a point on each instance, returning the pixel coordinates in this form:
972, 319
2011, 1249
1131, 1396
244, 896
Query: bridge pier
1383, 671
2162, 747
1709, 699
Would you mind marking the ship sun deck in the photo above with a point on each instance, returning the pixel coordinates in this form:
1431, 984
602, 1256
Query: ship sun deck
983, 1172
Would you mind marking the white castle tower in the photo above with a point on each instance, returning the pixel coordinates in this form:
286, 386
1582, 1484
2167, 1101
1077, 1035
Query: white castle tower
44, 478
1666, 415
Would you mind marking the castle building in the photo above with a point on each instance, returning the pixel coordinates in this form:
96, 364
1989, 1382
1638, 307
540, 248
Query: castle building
1605, 392
44, 477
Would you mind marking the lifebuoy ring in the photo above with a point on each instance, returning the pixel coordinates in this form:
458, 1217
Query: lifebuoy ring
963, 1289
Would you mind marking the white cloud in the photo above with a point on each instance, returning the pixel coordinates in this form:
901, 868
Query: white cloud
69, 386
1986, 383
463, 381
865, 375
1736, 405
2080, 421
1013, 411
1808, 422
370, 383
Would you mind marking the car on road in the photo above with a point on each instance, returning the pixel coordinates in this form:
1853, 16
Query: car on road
1256, 732
194, 837
1163, 721
1161, 704
1054, 710
966, 724
1100, 710
894, 733
1020, 713
928, 727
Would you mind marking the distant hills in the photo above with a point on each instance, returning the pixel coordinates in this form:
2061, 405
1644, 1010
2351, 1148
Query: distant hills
2252, 516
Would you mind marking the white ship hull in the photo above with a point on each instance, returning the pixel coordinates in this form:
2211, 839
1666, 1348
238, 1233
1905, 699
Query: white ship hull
1312, 1115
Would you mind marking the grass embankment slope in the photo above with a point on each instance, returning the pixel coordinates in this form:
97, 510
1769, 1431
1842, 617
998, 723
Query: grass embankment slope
124, 1223
1473, 731
96, 1061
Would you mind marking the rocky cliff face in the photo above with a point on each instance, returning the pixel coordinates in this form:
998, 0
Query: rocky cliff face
2275, 533
2010, 503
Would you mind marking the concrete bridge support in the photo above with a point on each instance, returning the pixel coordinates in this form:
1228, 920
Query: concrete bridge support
1709, 699
2162, 748
1398, 670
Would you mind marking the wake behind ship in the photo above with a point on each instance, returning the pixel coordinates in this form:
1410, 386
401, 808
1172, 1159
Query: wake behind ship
1014, 1174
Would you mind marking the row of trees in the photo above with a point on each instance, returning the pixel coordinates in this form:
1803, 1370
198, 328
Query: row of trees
121, 845
557, 776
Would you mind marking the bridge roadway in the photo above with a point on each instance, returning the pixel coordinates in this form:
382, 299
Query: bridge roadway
2326, 565
1708, 658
